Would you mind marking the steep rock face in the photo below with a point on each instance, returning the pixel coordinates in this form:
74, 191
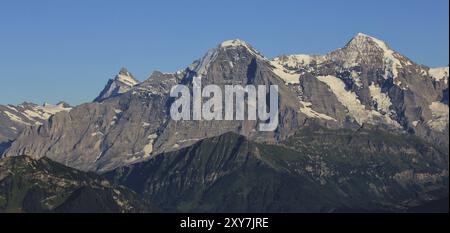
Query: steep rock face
364, 83
375, 84
28, 185
233, 63
14, 118
316, 170
96, 135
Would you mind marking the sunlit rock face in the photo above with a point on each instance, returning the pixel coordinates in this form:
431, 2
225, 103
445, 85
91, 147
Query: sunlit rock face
364, 83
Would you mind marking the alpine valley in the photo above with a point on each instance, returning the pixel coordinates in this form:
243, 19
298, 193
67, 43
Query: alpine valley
361, 129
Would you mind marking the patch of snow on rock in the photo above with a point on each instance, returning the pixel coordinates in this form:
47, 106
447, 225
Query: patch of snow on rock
308, 111
439, 112
382, 100
354, 106
289, 77
439, 74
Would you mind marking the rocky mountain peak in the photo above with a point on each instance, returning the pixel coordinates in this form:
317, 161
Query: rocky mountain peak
364, 42
235, 46
126, 77
124, 71
234, 43
361, 49
365, 49
238, 43
121, 83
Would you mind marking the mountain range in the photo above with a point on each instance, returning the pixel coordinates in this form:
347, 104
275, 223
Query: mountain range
362, 128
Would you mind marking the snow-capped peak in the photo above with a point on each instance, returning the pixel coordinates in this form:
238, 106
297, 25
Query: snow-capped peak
363, 35
234, 43
363, 41
122, 83
124, 71
240, 43
368, 45
201, 66
126, 77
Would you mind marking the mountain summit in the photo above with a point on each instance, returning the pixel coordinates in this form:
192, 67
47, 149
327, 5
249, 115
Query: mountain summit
120, 84
362, 40
229, 50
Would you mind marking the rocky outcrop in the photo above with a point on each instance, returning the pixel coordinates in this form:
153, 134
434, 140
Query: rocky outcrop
122, 83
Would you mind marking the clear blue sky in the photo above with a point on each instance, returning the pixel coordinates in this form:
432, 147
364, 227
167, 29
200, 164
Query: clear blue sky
67, 50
